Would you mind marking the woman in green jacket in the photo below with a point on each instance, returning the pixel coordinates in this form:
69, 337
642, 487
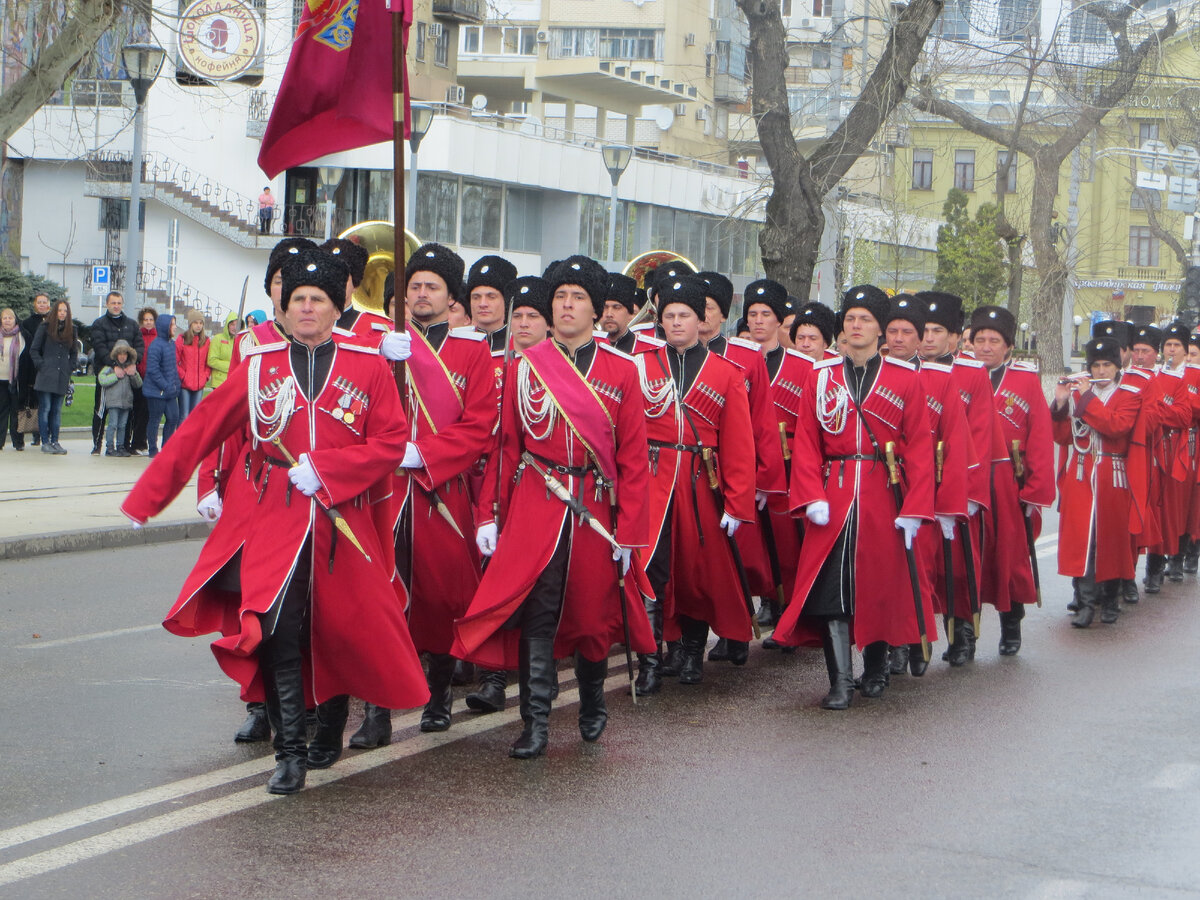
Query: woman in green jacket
220, 350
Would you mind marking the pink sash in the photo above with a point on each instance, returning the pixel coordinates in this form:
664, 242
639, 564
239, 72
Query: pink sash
440, 402
582, 410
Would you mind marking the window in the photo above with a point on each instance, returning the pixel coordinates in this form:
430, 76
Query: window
1142, 199
1006, 174
1143, 247
822, 8
964, 95
522, 221
1147, 131
472, 39
922, 174
114, 214
437, 208
1000, 96
441, 49
954, 25
481, 214
630, 43
518, 41
566, 43
964, 170
820, 56
419, 52
1086, 27
786, 8
297, 12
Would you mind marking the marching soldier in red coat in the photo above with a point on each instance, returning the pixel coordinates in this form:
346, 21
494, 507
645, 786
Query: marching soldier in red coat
622, 300
1022, 476
296, 587
1191, 555
1173, 456
943, 327
1094, 418
702, 479
453, 409
812, 331
572, 451
857, 415
486, 281
368, 327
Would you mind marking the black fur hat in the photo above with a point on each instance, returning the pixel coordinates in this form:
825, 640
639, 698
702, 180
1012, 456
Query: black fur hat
720, 289
280, 253
870, 298
352, 254
995, 318
490, 271
1121, 332
910, 309
624, 290
315, 268
686, 289
1177, 331
943, 309
583, 271
1147, 334
531, 291
441, 261
664, 272
1108, 349
772, 293
819, 316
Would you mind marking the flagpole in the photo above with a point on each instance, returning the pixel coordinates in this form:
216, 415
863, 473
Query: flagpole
399, 89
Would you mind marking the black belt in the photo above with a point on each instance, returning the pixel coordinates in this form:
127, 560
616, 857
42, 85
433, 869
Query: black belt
574, 471
690, 448
857, 457
1112, 455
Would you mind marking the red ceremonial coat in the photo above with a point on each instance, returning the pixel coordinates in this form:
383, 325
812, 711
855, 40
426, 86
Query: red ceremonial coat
1022, 415
1193, 376
1145, 528
883, 599
446, 566
1095, 502
1169, 415
787, 387
704, 583
532, 519
359, 642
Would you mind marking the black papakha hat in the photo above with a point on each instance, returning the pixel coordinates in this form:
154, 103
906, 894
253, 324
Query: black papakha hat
441, 261
1121, 332
943, 309
720, 289
995, 318
352, 254
624, 290
280, 252
689, 290
583, 271
531, 291
490, 271
870, 298
819, 316
1103, 349
768, 292
315, 268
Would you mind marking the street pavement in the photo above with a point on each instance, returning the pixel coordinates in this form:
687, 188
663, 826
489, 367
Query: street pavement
1071, 770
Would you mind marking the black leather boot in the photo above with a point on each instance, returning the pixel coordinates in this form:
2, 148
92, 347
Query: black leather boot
1073, 606
257, 727
1010, 630
1110, 601
375, 730
672, 660
875, 669
739, 652
1175, 567
695, 636
326, 746
649, 678
488, 697
436, 715
1086, 590
536, 674
1129, 591
1191, 556
720, 651
916, 660
464, 673
593, 714
898, 659
959, 653
835, 639
285, 707
768, 612
1154, 573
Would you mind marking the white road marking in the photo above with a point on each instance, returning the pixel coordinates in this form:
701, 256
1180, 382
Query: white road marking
1177, 776
167, 823
81, 638
1061, 889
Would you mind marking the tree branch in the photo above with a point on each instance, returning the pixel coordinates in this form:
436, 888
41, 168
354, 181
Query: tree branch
926, 101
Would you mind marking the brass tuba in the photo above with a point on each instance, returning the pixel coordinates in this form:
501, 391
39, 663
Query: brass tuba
378, 239
641, 266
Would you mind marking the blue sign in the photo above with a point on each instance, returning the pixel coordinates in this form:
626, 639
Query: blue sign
101, 279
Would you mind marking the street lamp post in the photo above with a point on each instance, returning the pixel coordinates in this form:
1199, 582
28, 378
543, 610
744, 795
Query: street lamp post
419, 121
616, 159
1024, 335
142, 64
331, 177
1078, 320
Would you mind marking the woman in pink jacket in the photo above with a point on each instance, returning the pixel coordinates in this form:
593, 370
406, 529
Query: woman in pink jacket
191, 357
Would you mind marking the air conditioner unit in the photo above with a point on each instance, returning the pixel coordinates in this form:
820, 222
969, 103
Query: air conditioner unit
701, 113
681, 109
433, 30
456, 93
543, 37
806, 23
710, 49
689, 40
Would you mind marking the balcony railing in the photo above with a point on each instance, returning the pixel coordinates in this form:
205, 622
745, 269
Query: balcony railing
469, 11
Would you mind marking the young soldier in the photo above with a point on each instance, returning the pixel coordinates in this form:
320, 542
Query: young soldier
622, 300
1171, 457
572, 417
485, 293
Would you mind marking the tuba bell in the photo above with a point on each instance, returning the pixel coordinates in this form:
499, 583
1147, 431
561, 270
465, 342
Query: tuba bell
378, 239
641, 267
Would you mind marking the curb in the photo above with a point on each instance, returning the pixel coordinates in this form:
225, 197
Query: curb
101, 539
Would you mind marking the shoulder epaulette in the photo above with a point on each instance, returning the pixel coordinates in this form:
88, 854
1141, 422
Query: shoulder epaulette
359, 348
742, 342
1165, 371
264, 348
600, 335
497, 354
1024, 366
1193, 366
609, 348
344, 332
652, 340
468, 332
900, 362
935, 366
831, 354
380, 326
1144, 374
827, 363
788, 351
1131, 388
642, 326
969, 361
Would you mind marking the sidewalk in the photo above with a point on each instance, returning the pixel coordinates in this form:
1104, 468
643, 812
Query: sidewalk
61, 504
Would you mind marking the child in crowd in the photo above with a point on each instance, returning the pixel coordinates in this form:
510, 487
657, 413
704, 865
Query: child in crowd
118, 382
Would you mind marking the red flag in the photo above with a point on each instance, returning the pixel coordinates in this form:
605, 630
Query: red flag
336, 92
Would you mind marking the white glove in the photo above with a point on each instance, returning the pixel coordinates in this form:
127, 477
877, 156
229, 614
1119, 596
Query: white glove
412, 457
760, 499
909, 526
624, 554
1029, 509
209, 507
304, 476
729, 524
817, 512
973, 507
947, 524
485, 538
396, 346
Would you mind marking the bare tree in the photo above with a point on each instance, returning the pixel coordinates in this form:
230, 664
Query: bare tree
791, 237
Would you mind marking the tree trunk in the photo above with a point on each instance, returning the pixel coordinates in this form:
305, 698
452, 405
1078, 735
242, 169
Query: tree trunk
1016, 274
1050, 261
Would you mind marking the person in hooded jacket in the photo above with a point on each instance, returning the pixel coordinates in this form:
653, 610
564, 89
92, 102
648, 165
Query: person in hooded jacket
220, 350
161, 385
191, 358
146, 317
